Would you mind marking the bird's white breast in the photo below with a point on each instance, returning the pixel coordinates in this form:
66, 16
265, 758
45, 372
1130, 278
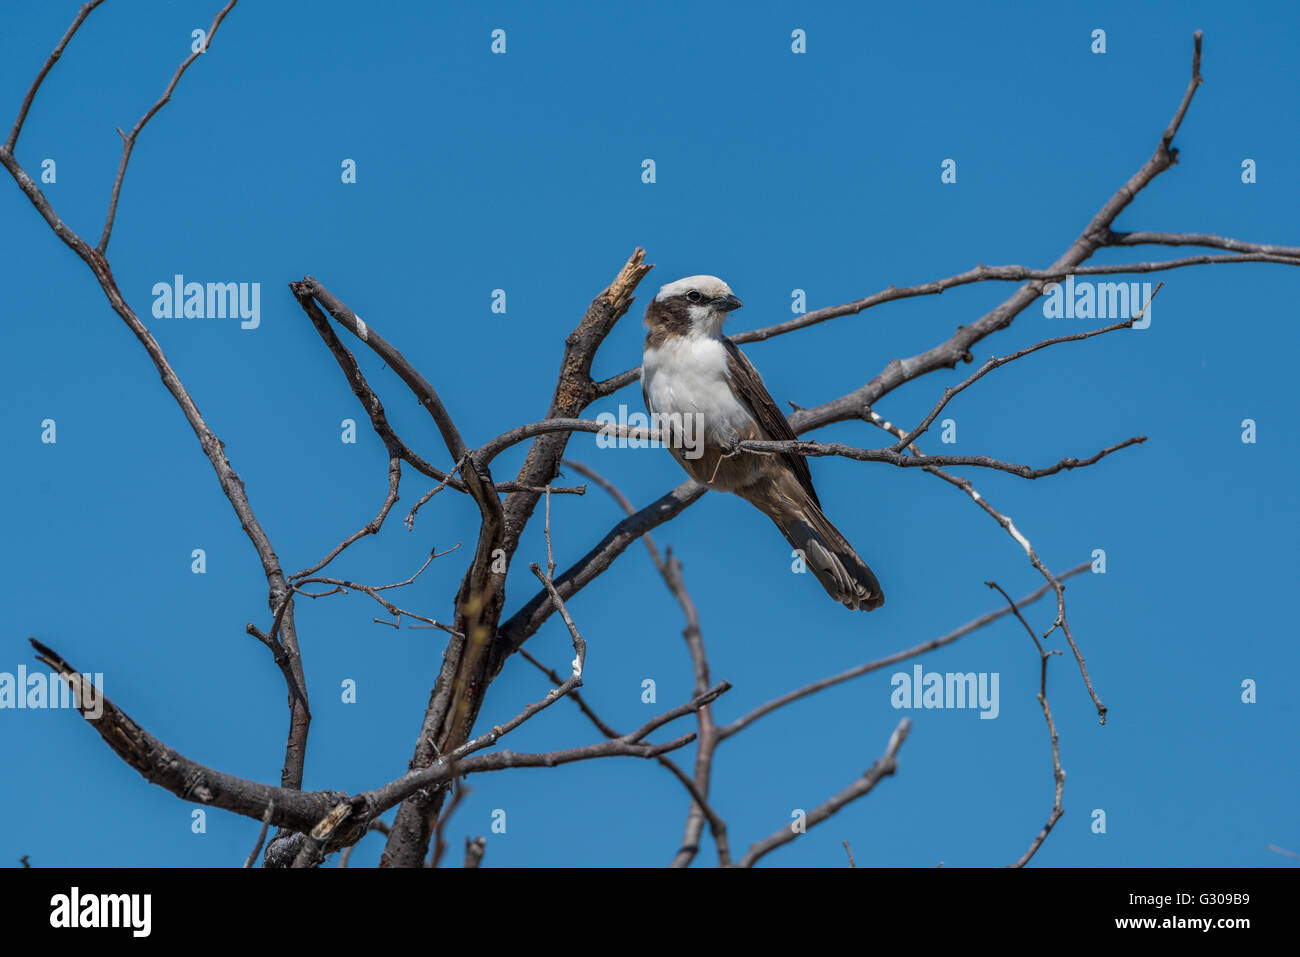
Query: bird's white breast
687, 375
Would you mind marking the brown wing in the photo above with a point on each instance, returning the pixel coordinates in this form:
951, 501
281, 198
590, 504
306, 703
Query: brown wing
750, 389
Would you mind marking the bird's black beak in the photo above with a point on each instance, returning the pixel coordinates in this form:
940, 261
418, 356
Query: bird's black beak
726, 303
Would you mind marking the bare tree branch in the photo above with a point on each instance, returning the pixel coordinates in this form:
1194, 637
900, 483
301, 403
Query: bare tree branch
414, 380
332, 818
1009, 527
187, 779
670, 570
524, 623
261, 836
1200, 239
53, 58
993, 362
128, 139
1058, 774
285, 644
439, 843
816, 449
958, 347
717, 824
370, 528
917, 650
574, 696
884, 766
343, 585
470, 664
456, 698
573, 682
805, 448
521, 433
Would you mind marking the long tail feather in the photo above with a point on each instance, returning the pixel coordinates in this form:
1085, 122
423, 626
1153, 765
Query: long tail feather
827, 554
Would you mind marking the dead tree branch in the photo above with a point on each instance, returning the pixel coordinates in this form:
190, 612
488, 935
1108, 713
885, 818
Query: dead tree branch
319, 813
886, 765
285, 644
1058, 774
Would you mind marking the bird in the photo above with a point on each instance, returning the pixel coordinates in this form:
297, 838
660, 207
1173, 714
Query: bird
690, 369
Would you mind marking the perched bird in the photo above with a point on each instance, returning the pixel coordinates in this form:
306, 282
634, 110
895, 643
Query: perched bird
691, 369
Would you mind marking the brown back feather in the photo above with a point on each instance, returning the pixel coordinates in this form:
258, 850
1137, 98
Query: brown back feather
750, 389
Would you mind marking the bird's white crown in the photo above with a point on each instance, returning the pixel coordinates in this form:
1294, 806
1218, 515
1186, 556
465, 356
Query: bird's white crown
709, 286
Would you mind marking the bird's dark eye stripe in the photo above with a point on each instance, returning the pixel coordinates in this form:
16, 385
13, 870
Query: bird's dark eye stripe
693, 296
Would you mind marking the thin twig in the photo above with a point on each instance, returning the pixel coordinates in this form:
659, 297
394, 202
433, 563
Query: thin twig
815, 449
439, 843
884, 766
993, 362
53, 58
984, 620
1009, 526
261, 836
1058, 773
670, 569
716, 823
370, 528
128, 139
343, 585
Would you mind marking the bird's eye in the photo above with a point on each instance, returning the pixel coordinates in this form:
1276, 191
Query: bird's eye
694, 296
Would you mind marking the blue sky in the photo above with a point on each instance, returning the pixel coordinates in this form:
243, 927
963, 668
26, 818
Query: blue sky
775, 171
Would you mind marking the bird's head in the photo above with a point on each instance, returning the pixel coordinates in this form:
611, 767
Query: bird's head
696, 304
